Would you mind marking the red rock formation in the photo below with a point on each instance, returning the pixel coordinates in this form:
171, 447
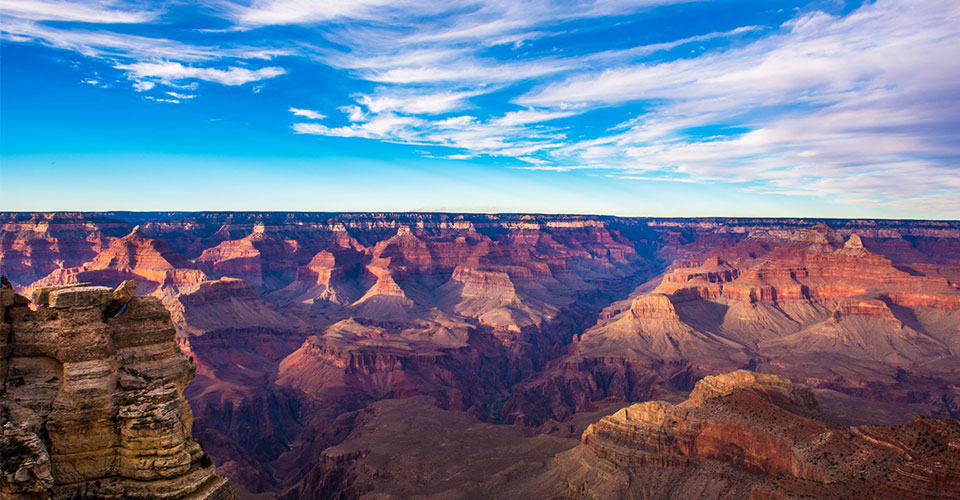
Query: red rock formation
34, 245
224, 304
764, 433
260, 258
326, 278
133, 256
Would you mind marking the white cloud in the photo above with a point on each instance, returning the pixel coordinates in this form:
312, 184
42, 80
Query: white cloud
464, 132
162, 99
26, 21
174, 71
105, 44
143, 86
105, 12
416, 103
387, 127
447, 45
306, 113
354, 113
861, 106
263, 12
479, 18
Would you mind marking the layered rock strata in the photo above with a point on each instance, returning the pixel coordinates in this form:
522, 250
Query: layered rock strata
758, 436
91, 400
806, 304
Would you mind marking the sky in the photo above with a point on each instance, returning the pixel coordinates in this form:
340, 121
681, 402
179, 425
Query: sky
824, 108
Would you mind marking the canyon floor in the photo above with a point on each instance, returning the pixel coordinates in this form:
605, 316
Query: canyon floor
544, 356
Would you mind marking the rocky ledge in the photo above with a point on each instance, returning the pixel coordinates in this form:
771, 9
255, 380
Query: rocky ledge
758, 436
91, 400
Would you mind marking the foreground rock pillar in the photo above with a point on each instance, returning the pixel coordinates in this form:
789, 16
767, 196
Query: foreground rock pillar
91, 400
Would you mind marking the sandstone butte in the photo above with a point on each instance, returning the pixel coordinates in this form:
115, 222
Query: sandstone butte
311, 331
92, 401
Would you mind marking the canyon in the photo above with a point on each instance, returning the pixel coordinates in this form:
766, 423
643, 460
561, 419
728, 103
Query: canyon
480, 356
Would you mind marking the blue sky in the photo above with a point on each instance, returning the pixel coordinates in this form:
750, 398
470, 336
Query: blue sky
628, 107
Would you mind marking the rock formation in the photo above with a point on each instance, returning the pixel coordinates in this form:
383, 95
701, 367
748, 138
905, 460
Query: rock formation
757, 436
785, 301
91, 400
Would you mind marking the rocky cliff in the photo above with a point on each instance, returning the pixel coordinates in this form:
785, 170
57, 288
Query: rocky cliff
757, 436
91, 400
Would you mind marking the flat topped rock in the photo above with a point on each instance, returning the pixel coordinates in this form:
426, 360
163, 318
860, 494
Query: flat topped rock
82, 296
41, 296
715, 386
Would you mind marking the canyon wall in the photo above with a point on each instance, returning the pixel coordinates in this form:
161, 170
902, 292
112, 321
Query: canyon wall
91, 399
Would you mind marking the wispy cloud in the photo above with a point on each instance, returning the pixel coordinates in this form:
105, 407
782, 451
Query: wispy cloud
264, 12
66, 26
527, 116
307, 113
169, 72
462, 132
416, 102
479, 18
101, 12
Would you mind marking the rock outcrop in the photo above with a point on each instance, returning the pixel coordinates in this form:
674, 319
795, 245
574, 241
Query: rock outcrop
91, 400
757, 436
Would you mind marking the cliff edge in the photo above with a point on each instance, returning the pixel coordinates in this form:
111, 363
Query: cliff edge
91, 400
753, 435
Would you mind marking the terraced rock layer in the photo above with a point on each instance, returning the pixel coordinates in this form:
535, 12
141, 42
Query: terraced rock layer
757, 436
91, 400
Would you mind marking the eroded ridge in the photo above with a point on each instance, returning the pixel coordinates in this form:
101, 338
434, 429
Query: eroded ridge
759, 436
92, 404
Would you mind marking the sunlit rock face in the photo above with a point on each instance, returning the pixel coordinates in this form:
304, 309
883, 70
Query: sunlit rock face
297, 319
758, 436
91, 392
